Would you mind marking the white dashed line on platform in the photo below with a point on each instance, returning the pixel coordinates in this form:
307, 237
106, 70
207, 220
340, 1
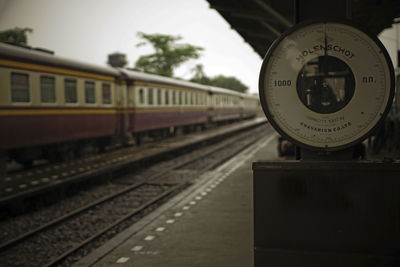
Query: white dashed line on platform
137, 248
123, 259
170, 221
149, 237
160, 229
178, 214
185, 207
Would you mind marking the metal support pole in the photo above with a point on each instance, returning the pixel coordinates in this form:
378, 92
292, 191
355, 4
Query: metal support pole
3, 163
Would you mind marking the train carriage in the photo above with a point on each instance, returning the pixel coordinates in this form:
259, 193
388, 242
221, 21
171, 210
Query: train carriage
226, 105
48, 103
251, 106
56, 108
160, 104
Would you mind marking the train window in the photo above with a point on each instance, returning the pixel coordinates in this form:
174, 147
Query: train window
150, 100
180, 98
20, 87
159, 96
90, 93
191, 99
186, 98
106, 92
166, 97
173, 97
47, 89
71, 95
197, 99
141, 96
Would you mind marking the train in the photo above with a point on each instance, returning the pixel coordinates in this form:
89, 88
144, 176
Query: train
56, 108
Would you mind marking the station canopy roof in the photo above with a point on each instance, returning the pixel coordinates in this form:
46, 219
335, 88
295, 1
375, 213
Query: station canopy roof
260, 22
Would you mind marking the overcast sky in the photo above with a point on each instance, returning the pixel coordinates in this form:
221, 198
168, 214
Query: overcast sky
89, 30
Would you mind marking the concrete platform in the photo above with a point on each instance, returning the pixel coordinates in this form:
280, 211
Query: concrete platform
210, 224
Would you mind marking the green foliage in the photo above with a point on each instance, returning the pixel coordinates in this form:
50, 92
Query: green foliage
229, 82
15, 36
200, 76
218, 81
168, 54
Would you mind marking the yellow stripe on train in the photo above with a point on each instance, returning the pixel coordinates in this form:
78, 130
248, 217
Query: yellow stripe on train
54, 70
41, 112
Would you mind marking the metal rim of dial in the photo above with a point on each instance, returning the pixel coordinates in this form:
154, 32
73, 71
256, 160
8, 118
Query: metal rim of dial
315, 57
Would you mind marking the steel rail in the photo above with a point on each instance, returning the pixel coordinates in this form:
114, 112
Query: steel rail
105, 170
60, 258
8, 244
115, 223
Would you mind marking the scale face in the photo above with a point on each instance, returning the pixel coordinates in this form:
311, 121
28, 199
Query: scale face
326, 85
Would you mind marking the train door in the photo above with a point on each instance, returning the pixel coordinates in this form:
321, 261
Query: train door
131, 105
121, 105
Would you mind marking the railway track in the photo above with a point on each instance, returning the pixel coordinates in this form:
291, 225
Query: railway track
62, 239
18, 187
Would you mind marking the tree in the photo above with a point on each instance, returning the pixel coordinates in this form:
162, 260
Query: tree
199, 75
219, 81
168, 54
15, 36
229, 82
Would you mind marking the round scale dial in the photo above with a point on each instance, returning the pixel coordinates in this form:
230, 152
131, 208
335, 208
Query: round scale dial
326, 85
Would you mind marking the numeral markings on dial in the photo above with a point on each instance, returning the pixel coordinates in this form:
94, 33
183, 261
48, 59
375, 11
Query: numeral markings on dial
368, 79
282, 83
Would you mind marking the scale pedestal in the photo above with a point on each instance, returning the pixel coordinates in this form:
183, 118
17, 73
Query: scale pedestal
318, 90
326, 213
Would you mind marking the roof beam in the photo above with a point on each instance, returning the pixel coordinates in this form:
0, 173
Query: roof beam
245, 14
274, 13
270, 28
254, 33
